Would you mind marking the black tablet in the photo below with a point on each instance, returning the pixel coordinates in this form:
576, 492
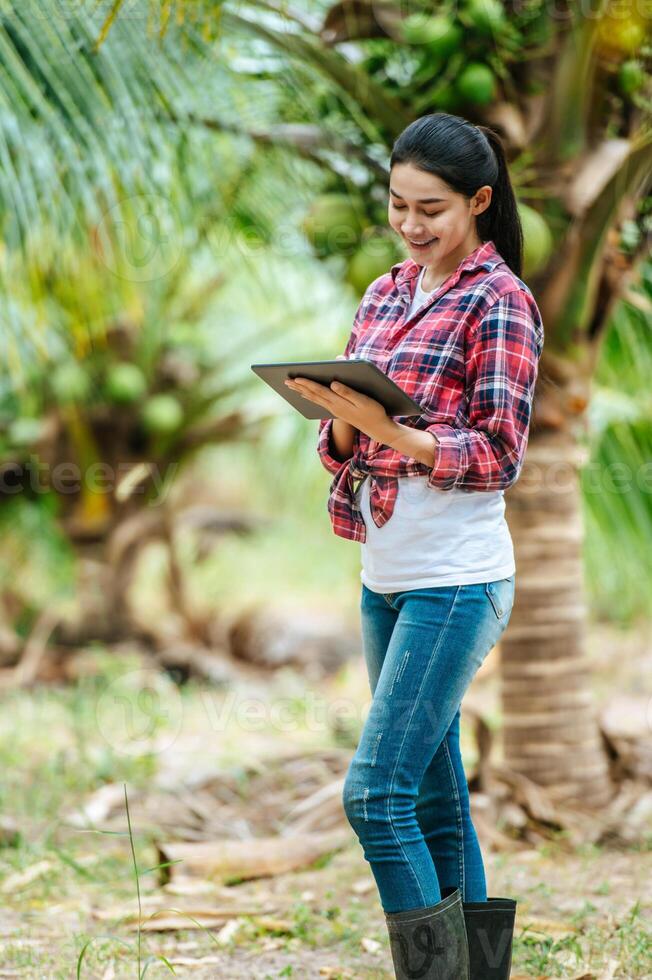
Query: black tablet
357, 373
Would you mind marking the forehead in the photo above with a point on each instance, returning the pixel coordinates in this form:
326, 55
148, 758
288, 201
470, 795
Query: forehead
412, 183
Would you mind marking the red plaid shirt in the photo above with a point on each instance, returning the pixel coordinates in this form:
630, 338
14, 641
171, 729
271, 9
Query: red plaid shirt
469, 357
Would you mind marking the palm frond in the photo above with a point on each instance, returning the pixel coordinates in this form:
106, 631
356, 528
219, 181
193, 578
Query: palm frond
387, 110
570, 300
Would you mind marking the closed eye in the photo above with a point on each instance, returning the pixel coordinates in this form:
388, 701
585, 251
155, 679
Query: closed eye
428, 214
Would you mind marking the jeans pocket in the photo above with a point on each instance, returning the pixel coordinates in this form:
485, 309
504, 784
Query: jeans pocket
501, 595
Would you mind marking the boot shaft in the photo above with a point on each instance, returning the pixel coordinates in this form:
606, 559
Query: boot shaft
490, 933
430, 943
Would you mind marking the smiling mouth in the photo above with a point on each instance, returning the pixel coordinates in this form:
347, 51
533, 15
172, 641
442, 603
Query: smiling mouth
430, 241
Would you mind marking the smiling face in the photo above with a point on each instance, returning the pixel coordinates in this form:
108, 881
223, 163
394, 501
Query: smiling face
436, 223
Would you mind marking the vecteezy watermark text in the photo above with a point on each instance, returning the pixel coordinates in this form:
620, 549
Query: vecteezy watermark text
68, 477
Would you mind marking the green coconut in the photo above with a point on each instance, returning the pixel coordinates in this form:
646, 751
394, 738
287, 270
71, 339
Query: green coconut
162, 414
476, 83
70, 382
631, 77
374, 258
125, 383
333, 224
537, 239
441, 35
487, 16
416, 28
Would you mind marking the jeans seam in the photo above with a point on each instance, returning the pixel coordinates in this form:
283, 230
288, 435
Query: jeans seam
398, 754
458, 812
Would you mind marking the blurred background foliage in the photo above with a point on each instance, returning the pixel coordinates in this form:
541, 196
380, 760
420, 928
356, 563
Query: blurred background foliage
153, 248
188, 187
617, 479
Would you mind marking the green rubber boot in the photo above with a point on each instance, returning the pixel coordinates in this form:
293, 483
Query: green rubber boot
430, 943
490, 932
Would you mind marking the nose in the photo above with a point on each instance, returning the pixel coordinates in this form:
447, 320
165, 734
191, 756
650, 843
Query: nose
412, 231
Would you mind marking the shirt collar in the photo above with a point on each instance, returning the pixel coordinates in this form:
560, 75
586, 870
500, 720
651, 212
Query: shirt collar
485, 256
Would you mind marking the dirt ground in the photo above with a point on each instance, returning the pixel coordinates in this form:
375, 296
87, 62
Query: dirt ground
339, 929
584, 914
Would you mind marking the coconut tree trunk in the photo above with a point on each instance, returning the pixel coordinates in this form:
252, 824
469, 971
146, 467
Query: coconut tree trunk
550, 729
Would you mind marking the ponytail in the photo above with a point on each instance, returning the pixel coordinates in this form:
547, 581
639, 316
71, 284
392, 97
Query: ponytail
501, 222
467, 157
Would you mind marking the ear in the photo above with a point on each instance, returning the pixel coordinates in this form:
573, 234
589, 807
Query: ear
482, 199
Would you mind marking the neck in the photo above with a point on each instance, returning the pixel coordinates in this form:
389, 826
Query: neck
437, 272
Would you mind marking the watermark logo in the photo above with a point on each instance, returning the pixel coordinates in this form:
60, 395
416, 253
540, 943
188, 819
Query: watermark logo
137, 239
140, 711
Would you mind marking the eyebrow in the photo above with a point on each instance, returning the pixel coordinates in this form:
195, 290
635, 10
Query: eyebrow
424, 200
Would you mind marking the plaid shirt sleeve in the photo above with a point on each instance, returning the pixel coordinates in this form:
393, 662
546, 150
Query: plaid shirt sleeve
501, 370
325, 427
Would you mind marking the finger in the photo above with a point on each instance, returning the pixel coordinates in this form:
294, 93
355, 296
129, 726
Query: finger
302, 383
309, 397
314, 388
313, 392
297, 385
348, 394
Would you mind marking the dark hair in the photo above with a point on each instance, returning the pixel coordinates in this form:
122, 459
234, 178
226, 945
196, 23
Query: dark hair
467, 157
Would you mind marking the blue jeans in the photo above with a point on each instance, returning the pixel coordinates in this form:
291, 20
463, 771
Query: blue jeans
405, 792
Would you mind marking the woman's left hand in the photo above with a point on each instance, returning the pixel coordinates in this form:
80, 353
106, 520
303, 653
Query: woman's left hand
365, 413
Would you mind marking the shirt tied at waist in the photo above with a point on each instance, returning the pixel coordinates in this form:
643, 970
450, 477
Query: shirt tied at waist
382, 488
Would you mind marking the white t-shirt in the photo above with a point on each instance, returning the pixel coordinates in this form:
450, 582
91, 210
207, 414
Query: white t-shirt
435, 537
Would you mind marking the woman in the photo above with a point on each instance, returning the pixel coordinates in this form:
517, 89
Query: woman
460, 332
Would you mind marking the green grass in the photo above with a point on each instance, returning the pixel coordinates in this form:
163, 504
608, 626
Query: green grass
53, 754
